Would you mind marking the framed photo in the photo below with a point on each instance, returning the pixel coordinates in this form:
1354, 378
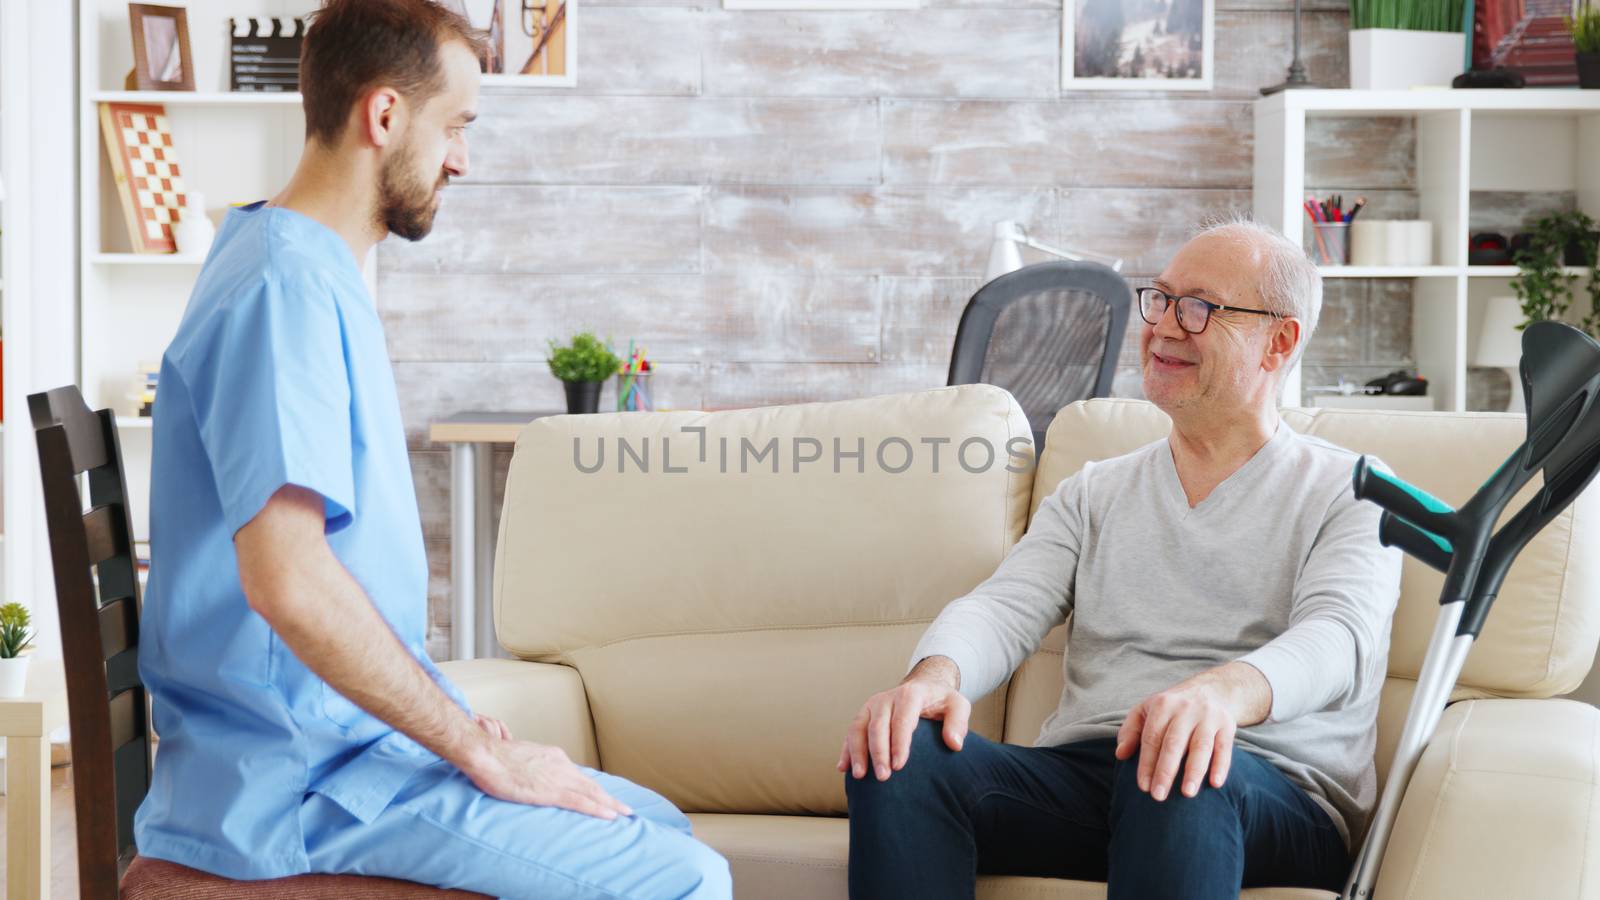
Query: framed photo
846, 5
161, 60
531, 42
1137, 45
1509, 34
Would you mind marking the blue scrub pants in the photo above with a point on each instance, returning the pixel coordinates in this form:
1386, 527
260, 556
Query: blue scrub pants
442, 830
1076, 811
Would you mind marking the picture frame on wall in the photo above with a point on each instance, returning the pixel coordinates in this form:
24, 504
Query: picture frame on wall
1138, 45
161, 57
532, 43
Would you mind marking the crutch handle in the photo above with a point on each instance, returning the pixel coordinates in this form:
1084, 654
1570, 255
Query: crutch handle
1413, 504
1432, 549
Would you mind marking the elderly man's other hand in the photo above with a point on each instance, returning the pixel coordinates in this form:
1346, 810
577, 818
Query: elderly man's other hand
882, 730
1199, 718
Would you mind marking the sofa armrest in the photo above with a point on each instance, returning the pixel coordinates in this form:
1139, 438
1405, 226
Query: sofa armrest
1505, 802
539, 702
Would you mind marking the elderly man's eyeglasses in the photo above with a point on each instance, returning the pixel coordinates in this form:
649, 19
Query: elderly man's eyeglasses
1194, 314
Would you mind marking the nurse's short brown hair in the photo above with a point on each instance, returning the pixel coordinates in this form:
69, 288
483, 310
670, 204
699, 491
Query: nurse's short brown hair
354, 46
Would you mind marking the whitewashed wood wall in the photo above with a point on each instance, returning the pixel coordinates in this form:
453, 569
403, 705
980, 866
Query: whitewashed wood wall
789, 206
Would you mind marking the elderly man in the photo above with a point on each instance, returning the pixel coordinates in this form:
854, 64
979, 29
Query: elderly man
1226, 591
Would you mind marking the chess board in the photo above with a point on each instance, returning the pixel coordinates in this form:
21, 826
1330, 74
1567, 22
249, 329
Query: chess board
139, 142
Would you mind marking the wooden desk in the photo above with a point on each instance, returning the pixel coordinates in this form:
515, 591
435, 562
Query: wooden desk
26, 723
472, 436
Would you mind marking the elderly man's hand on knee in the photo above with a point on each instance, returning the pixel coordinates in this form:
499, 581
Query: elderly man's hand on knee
882, 730
1198, 717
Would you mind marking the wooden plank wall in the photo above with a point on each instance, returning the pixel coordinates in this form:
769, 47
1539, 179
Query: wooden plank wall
793, 206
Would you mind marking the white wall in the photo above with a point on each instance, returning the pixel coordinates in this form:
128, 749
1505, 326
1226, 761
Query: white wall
38, 145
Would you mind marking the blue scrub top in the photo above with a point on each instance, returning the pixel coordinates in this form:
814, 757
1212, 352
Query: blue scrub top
279, 375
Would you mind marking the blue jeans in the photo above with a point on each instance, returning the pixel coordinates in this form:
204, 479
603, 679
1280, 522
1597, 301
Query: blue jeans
1076, 811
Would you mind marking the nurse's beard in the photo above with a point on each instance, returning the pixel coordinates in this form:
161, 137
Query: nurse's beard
406, 204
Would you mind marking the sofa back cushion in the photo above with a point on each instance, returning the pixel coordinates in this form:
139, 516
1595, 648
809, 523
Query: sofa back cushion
1539, 640
728, 619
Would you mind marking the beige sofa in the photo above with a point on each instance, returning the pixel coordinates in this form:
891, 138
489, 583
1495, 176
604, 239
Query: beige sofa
709, 633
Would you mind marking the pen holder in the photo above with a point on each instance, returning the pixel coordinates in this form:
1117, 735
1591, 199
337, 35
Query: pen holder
634, 393
1332, 243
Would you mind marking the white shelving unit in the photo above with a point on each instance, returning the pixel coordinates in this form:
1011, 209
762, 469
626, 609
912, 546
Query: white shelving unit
233, 147
1539, 140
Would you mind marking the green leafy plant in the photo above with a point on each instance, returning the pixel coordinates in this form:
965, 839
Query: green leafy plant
1410, 15
585, 359
14, 634
1543, 284
1584, 23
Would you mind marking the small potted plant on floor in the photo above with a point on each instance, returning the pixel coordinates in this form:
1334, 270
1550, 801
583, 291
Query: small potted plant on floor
1585, 27
583, 366
15, 637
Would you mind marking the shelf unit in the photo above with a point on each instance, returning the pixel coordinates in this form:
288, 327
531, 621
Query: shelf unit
1536, 141
233, 147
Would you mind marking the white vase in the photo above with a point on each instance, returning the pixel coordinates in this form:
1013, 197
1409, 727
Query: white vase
194, 232
1394, 59
13, 676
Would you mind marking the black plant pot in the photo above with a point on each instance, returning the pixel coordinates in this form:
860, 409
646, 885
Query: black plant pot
1589, 70
583, 396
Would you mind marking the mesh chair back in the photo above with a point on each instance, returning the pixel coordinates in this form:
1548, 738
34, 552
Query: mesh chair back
1048, 333
97, 595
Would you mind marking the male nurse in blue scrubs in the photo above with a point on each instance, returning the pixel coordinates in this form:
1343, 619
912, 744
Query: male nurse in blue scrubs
303, 727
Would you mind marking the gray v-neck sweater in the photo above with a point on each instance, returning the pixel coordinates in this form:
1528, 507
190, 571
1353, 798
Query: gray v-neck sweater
1279, 567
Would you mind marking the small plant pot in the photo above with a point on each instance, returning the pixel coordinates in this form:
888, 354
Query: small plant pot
1589, 70
583, 396
13, 676
1399, 59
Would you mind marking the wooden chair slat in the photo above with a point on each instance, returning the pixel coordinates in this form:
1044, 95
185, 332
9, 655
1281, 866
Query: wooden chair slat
103, 527
85, 442
119, 627
127, 718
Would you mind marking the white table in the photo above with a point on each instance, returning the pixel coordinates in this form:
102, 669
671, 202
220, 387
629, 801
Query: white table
472, 436
26, 723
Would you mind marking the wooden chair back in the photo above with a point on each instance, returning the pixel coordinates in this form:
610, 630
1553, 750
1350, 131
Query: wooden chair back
98, 598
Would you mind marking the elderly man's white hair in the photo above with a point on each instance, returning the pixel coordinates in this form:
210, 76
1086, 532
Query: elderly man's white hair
1288, 282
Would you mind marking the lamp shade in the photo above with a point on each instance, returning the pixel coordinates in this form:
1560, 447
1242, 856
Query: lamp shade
1499, 341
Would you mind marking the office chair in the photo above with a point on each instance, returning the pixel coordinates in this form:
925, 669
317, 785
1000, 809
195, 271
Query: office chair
98, 598
1048, 333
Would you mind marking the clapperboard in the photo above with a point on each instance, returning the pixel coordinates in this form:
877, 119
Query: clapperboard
266, 54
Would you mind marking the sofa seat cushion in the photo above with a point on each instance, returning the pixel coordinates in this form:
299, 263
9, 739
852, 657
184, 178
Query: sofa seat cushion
807, 858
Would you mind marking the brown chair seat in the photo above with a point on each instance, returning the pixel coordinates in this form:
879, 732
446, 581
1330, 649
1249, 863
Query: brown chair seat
157, 879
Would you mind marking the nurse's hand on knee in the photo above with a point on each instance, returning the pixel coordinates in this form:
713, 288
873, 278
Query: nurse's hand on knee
538, 775
881, 732
493, 727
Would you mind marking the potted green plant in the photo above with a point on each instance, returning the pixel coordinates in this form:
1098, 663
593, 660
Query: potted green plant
1542, 283
1401, 44
15, 637
1584, 23
583, 366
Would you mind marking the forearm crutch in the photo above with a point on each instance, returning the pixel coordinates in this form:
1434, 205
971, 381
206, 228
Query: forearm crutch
1561, 382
